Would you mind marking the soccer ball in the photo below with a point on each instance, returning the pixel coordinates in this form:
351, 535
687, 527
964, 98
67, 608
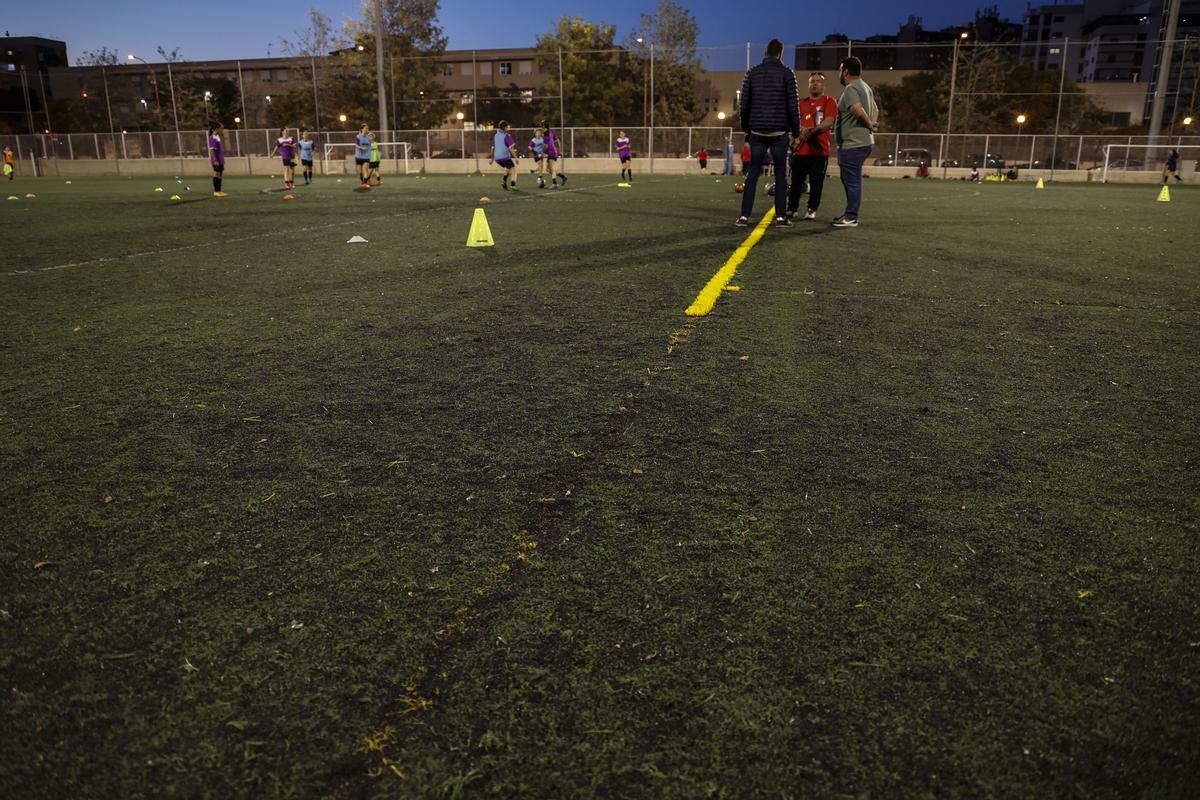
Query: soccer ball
771, 190
739, 187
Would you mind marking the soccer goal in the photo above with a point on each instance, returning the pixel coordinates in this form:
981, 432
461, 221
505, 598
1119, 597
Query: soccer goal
1149, 158
396, 154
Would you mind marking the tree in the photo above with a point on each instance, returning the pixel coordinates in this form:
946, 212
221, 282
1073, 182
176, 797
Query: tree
412, 39
317, 43
597, 87
673, 31
104, 57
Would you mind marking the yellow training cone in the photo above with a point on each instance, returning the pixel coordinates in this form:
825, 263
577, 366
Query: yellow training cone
1041, 184
481, 233
1164, 196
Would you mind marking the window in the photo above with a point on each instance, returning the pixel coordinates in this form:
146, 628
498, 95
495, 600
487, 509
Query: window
1055, 51
468, 69
506, 68
283, 75
526, 68
265, 75
447, 70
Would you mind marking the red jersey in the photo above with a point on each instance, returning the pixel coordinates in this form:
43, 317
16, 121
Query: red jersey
813, 111
702, 155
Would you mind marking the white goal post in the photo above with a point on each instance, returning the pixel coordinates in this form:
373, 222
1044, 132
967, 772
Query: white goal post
1149, 158
398, 153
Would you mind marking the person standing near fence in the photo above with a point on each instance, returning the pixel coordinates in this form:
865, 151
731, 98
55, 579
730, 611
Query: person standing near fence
770, 112
216, 157
624, 153
10, 163
306, 157
810, 159
362, 155
1172, 167
855, 126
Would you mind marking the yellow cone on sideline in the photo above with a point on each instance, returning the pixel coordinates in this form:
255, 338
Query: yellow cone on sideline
481, 233
1164, 196
1041, 184
175, 198
624, 185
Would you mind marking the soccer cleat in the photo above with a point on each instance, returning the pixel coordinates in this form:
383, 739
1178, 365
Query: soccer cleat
742, 222
563, 178
810, 214
220, 194
842, 222
782, 222
792, 214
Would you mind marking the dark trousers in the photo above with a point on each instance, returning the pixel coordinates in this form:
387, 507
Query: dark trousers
812, 169
759, 147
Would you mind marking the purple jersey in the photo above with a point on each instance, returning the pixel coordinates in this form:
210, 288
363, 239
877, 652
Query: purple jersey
287, 148
216, 150
623, 147
551, 144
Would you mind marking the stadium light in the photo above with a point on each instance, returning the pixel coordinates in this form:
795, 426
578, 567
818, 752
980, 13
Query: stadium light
237, 120
361, 48
1020, 119
721, 115
341, 117
963, 35
85, 95
268, 98
1188, 120
460, 116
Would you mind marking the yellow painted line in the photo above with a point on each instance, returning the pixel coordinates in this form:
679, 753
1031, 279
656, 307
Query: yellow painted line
707, 298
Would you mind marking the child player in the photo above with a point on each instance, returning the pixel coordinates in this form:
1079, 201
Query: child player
216, 157
503, 154
10, 164
702, 157
362, 155
624, 154
306, 157
552, 155
285, 145
373, 164
537, 147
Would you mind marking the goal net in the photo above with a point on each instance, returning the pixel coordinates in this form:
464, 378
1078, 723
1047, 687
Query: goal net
1149, 158
394, 157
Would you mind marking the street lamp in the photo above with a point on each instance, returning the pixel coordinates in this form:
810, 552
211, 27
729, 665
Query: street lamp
237, 120
341, 117
721, 115
460, 116
153, 80
1188, 120
207, 97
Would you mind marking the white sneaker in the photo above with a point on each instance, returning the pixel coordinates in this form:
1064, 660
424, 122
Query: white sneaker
842, 222
810, 214
742, 222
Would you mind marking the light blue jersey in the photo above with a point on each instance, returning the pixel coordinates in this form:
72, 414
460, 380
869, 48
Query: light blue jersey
502, 145
306, 149
362, 146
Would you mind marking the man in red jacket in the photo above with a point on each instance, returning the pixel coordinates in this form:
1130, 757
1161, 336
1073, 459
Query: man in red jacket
810, 159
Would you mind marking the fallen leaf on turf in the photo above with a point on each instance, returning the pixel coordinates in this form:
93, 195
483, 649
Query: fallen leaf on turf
189, 666
296, 625
108, 498
77, 329
743, 358
41, 564
546, 500
860, 605
578, 454
433, 569
397, 461
271, 496
637, 471
1082, 593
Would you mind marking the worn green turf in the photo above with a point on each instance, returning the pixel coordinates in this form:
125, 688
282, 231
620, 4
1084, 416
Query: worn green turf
914, 513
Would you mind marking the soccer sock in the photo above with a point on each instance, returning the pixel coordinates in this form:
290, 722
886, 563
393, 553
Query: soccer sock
217, 184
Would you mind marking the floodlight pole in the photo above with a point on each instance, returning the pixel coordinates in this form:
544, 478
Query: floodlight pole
316, 104
242, 92
475, 110
112, 133
175, 114
562, 117
1062, 79
1163, 78
45, 104
652, 108
383, 119
949, 110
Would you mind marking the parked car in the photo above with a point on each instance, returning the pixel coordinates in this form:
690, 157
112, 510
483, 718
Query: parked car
991, 160
908, 157
1126, 163
1055, 163
451, 153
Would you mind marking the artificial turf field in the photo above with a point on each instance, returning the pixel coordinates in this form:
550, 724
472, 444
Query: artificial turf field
912, 514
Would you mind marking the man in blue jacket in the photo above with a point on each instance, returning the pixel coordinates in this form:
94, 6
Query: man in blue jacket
770, 114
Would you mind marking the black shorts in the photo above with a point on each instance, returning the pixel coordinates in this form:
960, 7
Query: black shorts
703, 164
360, 161
626, 159
306, 163
218, 167
507, 163
373, 164
552, 158
287, 162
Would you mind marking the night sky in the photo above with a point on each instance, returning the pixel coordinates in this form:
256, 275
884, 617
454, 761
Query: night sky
234, 28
